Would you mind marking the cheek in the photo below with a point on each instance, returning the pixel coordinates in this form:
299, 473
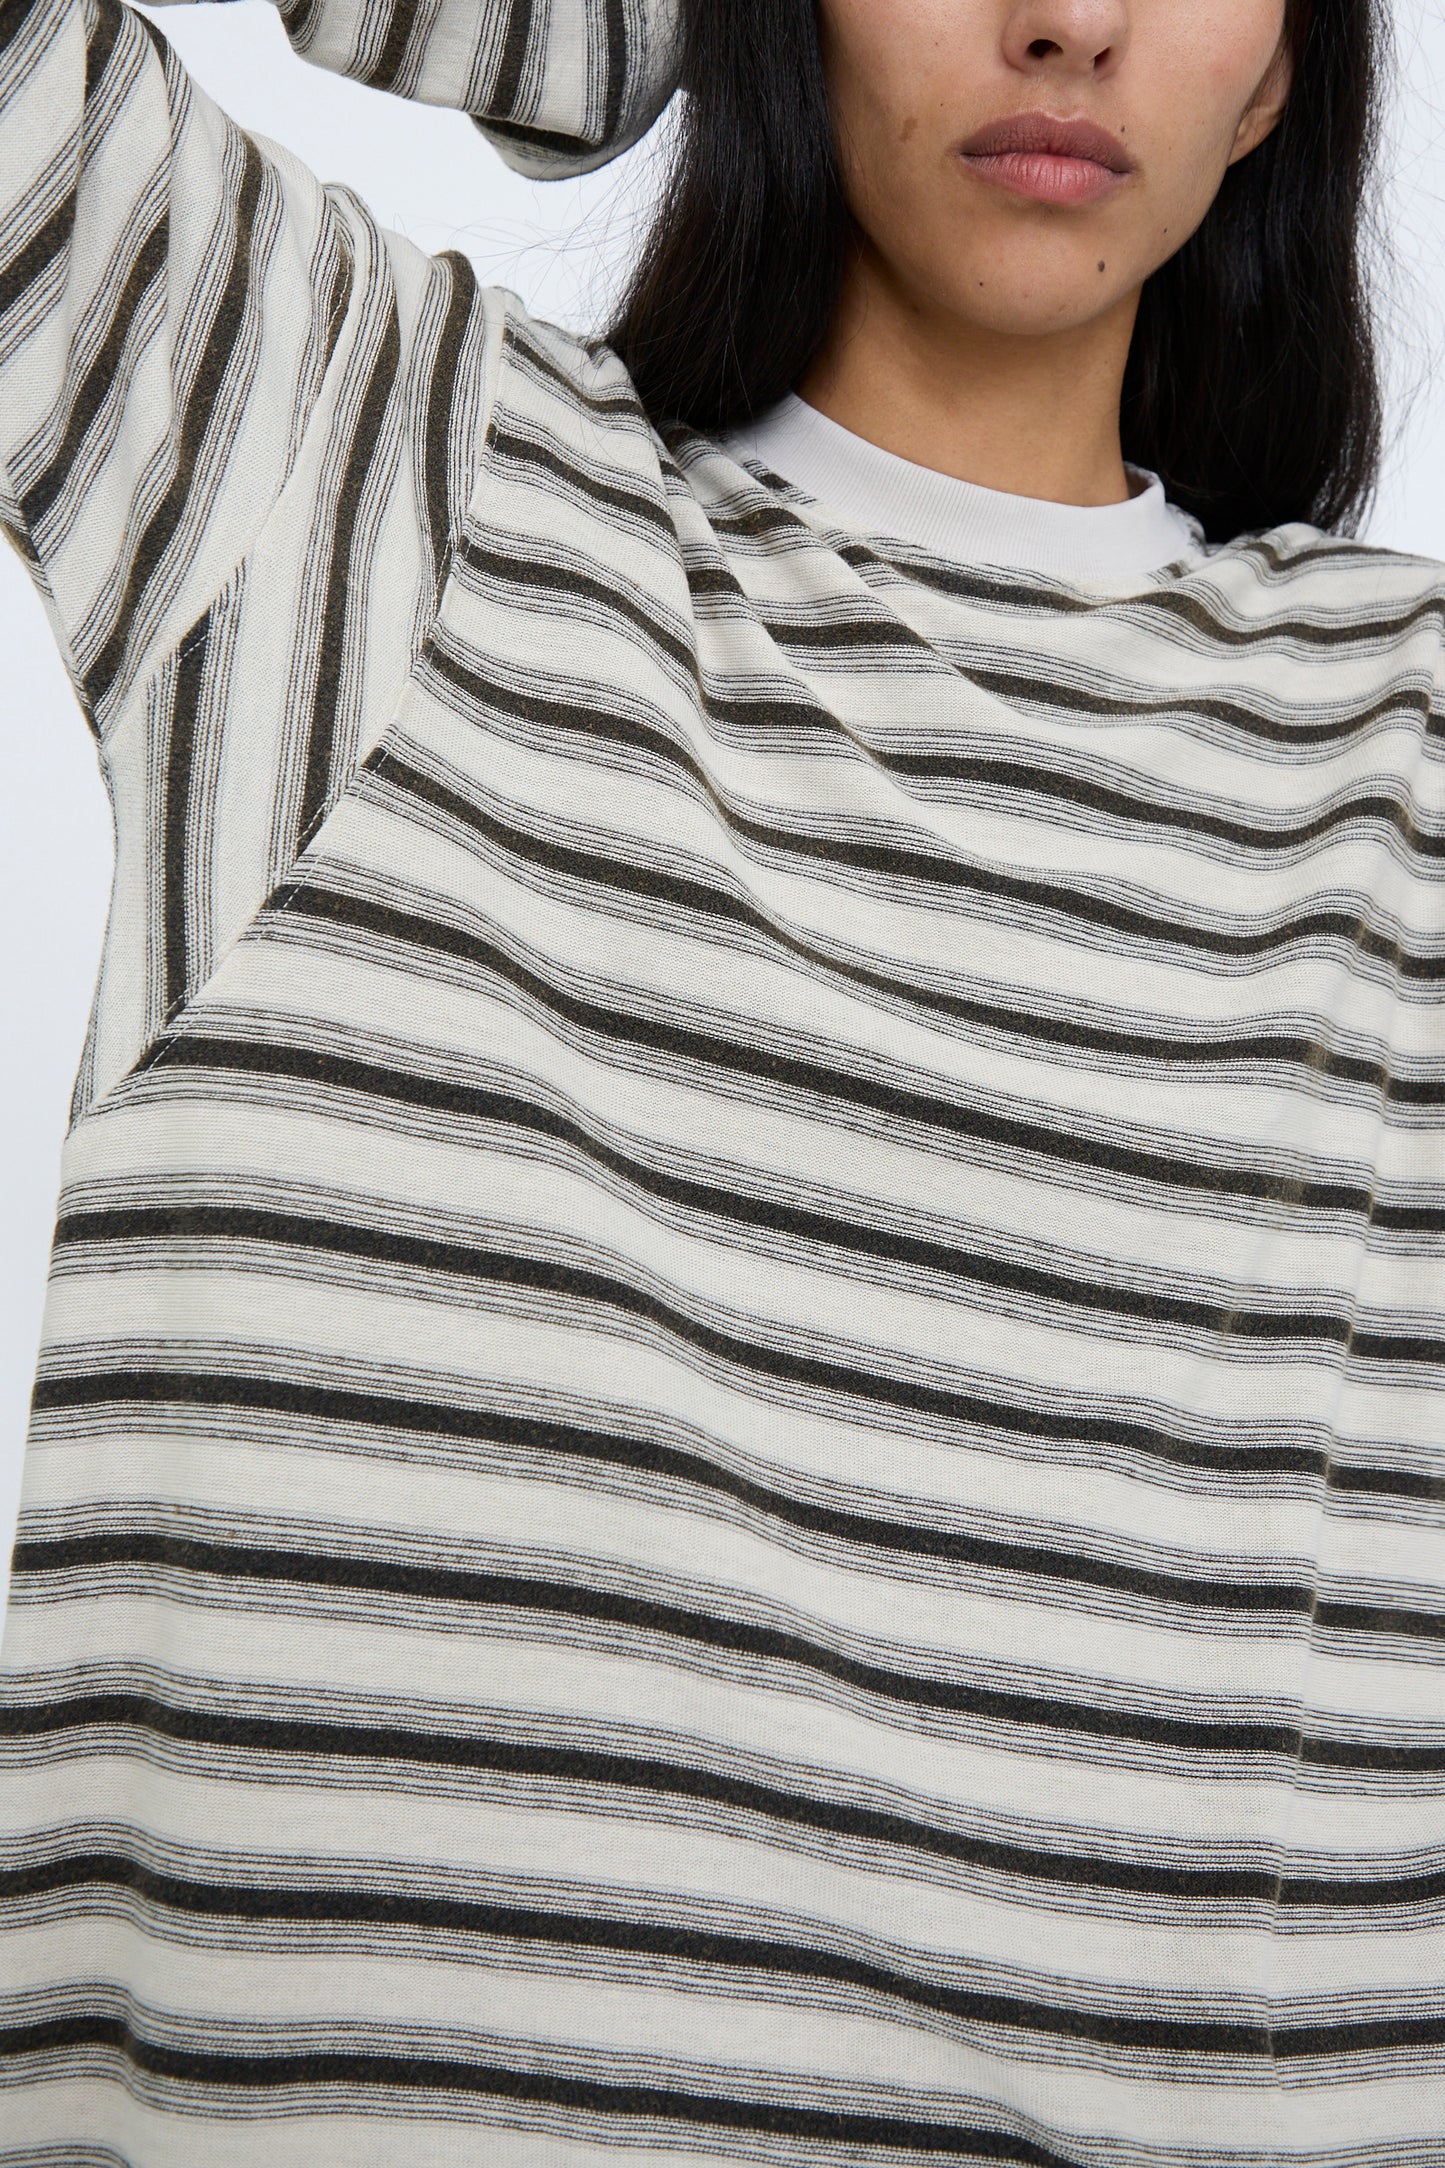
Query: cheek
887, 70
1196, 104
1216, 62
1183, 182
884, 142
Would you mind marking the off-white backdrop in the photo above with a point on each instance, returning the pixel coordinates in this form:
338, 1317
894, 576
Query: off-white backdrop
562, 246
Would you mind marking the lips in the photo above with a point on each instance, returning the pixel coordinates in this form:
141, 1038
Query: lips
1042, 133
1037, 156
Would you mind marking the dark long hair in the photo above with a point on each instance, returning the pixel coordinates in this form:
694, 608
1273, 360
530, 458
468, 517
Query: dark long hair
1253, 383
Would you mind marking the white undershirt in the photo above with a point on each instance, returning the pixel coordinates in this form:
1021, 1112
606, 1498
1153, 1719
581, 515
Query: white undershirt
880, 494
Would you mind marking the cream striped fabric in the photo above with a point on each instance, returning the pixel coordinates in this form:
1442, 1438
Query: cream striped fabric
738, 1454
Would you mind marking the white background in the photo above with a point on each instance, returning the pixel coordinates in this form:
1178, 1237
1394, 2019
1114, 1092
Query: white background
562, 246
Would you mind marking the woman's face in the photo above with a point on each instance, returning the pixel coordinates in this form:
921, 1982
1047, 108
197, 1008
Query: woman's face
1185, 87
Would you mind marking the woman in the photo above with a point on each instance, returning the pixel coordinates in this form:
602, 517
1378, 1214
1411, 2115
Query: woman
737, 1454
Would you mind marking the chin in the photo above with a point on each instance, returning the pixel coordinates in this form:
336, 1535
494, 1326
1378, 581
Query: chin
1020, 308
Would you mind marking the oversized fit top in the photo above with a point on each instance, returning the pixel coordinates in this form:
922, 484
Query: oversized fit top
738, 1454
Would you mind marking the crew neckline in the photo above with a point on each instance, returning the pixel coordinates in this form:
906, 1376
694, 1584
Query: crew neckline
882, 494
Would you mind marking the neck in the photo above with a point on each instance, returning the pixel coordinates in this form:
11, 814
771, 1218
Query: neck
1035, 414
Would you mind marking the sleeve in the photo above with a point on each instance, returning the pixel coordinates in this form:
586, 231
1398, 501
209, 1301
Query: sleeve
239, 429
238, 426
558, 86
168, 295
172, 292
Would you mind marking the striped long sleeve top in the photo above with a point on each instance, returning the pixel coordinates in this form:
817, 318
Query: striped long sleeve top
739, 1453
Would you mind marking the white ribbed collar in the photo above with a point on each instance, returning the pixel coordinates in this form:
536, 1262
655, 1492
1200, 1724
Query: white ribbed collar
882, 495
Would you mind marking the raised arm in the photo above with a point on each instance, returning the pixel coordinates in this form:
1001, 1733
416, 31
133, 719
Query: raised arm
559, 86
173, 295
168, 293
239, 427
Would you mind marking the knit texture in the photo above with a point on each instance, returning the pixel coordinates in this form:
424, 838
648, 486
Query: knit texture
738, 1452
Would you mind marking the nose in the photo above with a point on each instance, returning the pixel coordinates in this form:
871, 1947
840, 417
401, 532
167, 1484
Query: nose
1066, 38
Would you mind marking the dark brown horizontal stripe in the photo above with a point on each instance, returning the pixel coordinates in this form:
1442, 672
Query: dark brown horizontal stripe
616, 15
150, 1387
620, 401
567, 713
45, 245
609, 497
688, 893
763, 1646
297, 15
850, 627
100, 378
1035, 689
336, 547
18, 538
1347, 629
1029, 590
111, 23
1343, 630
763, 520
321, 2072
212, 369
165, 1223
1301, 729
432, 1582
1392, 706
709, 581
439, 506
165, 1226
1030, 779
459, 1752
577, 588
511, 59
1304, 728
173, 857
553, 142
294, 1904
1036, 596
16, 16
661, 1035
1016, 587
460, 1585
1288, 564
386, 67
1039, 595
1295, 1322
